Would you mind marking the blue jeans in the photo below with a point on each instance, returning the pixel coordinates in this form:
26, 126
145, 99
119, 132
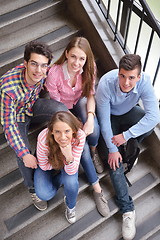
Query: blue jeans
124, 122
43, 110
79, 110
120, 124
47, 184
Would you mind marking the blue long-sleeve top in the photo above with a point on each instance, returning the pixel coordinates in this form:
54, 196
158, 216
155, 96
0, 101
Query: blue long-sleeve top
111, 100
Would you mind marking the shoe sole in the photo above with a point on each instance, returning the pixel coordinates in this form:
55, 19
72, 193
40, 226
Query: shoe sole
40, 209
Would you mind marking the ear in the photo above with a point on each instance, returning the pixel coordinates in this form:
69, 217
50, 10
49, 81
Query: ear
25, 63
66, 54
139, 76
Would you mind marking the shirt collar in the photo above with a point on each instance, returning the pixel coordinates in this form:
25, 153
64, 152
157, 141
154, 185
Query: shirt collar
66, 73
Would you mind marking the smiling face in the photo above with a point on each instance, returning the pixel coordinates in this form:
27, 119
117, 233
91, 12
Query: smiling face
36, 68
128, 79
62, 133
76, 58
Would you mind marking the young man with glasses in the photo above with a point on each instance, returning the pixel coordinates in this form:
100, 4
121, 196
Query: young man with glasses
121, 119
21, 106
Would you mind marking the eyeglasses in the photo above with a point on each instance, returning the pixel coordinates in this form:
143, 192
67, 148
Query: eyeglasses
36, 65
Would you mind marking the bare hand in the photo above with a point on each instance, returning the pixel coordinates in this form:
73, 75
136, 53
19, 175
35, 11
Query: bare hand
30, 161
88, 127
67, 152
114, 159
118, 140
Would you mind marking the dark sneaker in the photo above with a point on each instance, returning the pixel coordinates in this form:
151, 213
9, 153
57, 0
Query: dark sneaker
38, 203
128, 225
70, 214
97, 162
101, 204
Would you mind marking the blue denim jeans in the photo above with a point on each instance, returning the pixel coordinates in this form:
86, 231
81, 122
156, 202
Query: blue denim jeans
124, 122
79, 110
43, 110
47, 184
120, 124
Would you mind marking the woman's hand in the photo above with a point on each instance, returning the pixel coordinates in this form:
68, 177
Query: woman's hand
88, 127
67, 152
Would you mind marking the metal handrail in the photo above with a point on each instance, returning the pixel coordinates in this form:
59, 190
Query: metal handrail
143, 11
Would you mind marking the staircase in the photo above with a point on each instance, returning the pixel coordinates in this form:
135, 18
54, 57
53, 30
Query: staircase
56, 22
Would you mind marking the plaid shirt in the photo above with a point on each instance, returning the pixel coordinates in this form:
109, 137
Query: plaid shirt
17, 99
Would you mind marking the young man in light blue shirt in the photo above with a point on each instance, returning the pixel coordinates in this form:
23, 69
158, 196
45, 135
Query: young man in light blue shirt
121, 118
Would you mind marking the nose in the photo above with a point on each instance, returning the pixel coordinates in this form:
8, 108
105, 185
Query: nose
76, 62
126, 81
38, 68
63, 135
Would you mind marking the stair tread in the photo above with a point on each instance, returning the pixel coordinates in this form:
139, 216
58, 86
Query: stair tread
22, 36
9, 6
89, 216
24, 11
145, 214
17, 52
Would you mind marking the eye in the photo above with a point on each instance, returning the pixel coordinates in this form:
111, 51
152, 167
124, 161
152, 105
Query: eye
44, 66
131, 78
68, 130
34, 64
122, 76
82, 59
56, 131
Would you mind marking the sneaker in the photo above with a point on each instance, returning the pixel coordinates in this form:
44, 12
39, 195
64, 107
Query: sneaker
97, 162
38, 203
70, 214
101, 204
128, 225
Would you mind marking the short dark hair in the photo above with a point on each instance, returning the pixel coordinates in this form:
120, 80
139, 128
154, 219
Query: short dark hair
39, 48
130, 62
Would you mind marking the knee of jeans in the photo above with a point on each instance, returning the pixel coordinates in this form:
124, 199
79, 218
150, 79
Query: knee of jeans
82, 103
118, 171
45, 194
61, 107
70, 181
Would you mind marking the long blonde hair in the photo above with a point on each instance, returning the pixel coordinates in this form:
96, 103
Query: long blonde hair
89, 69
55, 156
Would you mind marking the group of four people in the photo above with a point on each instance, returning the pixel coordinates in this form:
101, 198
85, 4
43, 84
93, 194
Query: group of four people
73, 130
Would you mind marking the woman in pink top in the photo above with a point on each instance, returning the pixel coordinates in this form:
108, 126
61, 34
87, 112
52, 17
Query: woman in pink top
59, 147
71, 80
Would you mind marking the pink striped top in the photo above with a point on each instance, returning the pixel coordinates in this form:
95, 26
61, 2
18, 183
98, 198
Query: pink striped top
42, 152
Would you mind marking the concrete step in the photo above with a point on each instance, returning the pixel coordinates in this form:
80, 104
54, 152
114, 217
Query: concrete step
56, 39
22, 217
22, 213
56, 227
147, 220
9, 6
27, 15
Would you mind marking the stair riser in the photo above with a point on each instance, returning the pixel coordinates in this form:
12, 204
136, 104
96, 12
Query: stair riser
26, 20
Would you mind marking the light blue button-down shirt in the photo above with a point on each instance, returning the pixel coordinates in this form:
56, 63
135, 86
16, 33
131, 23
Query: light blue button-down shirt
111, 100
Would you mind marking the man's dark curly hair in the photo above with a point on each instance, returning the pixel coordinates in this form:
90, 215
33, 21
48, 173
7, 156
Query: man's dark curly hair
39, 48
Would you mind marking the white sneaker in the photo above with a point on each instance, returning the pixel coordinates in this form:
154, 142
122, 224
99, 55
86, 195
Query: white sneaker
128, 225
70, 214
